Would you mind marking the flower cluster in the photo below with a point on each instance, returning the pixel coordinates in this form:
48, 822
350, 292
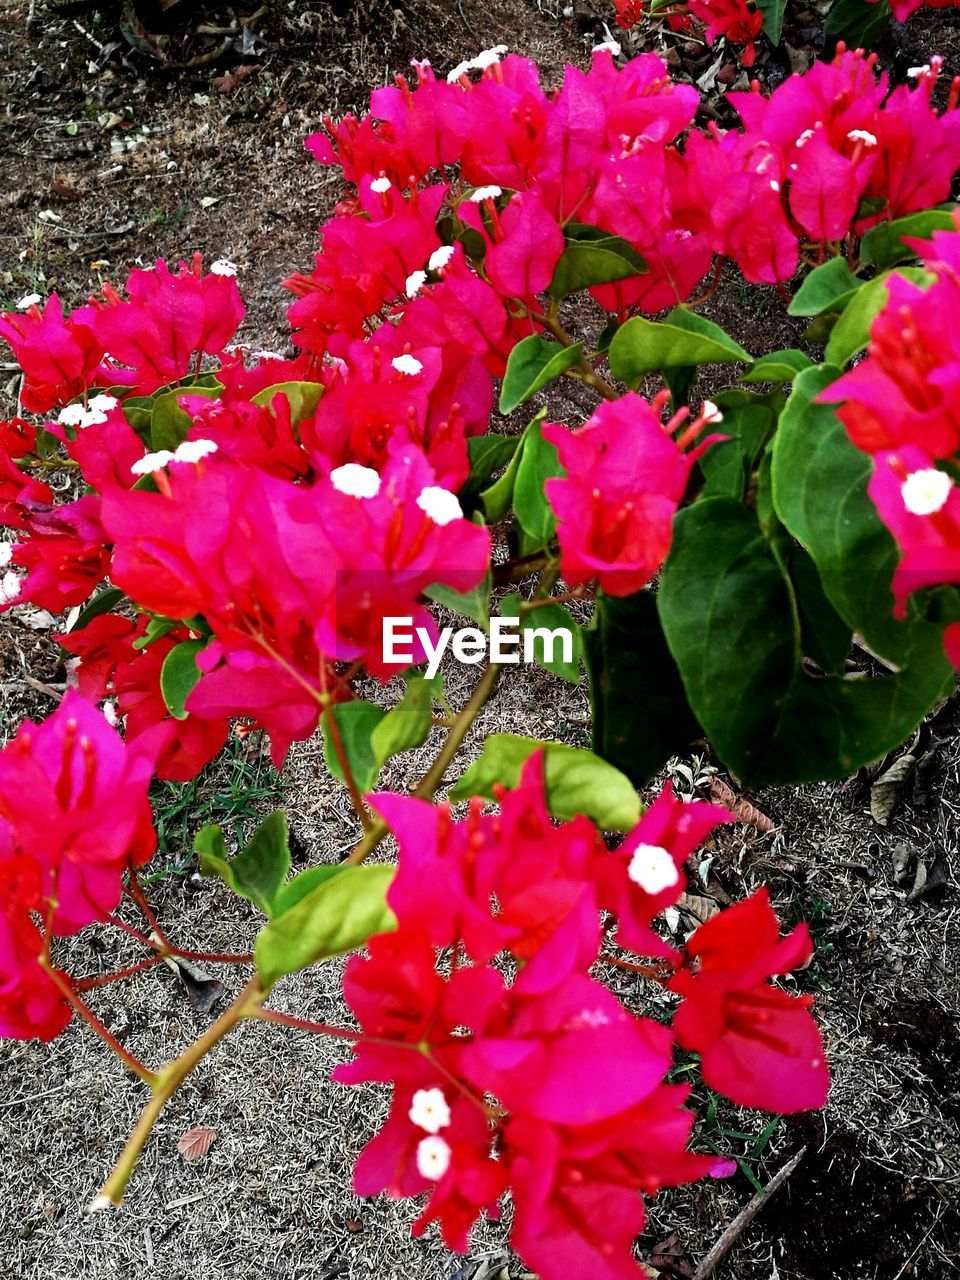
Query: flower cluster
582, 1116
63, 853
901, 406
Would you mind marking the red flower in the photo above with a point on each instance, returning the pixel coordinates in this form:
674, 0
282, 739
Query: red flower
758, 1045
31, 1005
59, 356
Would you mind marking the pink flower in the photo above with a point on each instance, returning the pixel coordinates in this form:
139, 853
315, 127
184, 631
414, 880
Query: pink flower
58, 355
73, 799
625, 478
31, 1005
758, 1045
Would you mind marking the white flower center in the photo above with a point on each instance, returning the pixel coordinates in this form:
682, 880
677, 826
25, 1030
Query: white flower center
925, 492
862, 135
440, 505
486, 193
429, 1110
440, 257
433, 1158
380, 185
415, 282
356, 481
608, 46
407, 364
223, 267
151, 462
75, 415
653, 869
27, 301
194, 450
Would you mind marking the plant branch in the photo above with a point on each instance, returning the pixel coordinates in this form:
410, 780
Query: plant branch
165, 1084
66, 989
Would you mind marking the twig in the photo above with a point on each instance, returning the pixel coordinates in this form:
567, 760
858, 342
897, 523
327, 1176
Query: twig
744, 1218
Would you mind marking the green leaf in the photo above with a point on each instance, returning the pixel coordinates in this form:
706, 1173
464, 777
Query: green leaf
99, 604
730, 618
884, 245
303, 398
820, 493
497, 498
339, 915
640, 712
302, 884
828, 287
474, 604
356, 722
547, 617
179, 674
772, 11
749, 421
851, 333
157, 628
577, 781
824, 635
592, 257
170, 424
684, 338
779, 366
532, 363
259, 870
860, 25
539, 462
407, 724
138, 411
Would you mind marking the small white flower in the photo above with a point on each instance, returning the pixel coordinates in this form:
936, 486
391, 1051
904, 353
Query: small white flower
267, 355
440, 257
103, 403
433, 1158
72, 415
110, 713
459, 70
407, 364
488, 57
486, 193
380, 185
710, 413
28, 300
608, 46
6, 553
430, 1110
440, 505
915, 72
862, 135
151, 462
223, 267
356, 481
9, 587
194, 450
652, 868
415, 282
925, 492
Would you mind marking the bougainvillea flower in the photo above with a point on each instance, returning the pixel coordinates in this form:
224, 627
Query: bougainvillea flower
31, 1005
734, 19
758, 1045
645, 875
615, 506
65, 555
73, 797
58, 355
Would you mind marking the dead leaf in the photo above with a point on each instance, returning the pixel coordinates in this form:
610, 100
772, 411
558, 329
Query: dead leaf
741, 807
885, 792
195, 1143
234, 79
698, 907
900, 860
203, 992
928, 881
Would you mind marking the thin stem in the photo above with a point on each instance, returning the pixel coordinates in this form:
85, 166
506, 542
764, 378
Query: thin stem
139, 897
104, 979
583, 371
434, 776
645, 970
304, 1024
165, 1084
330, 719
210, 957
65, 988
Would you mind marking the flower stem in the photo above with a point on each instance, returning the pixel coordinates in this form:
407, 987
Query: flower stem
304, 1024
166, 1082
66, 989
644, 970
104, 979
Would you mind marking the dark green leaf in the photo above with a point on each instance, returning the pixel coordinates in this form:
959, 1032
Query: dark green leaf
640, 712
824, 635
858, 24
101, 603
157, 628
339, 915
179, 674
592, 257
553, 618
170, 424
884, 245
772, 11
539, 462
577, 781
473, 604
779, 366
532, 363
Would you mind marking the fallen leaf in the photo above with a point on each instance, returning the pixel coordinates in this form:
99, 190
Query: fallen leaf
741, 807
885, 792
233, 80
900, 858
195, 1143
696, 906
